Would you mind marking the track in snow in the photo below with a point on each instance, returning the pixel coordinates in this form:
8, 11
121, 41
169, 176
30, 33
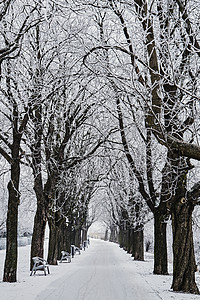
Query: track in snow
102, 272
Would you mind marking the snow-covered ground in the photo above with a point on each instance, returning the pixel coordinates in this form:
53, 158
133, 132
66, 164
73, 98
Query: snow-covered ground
102, 272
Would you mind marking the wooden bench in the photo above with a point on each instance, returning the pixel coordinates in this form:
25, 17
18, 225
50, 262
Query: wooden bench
77, 250
40, 264
65, 257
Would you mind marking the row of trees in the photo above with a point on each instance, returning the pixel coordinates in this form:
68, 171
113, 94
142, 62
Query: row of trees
103, 93
156, 90
50, 123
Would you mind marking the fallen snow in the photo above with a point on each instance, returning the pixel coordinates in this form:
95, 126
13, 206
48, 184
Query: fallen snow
102, 272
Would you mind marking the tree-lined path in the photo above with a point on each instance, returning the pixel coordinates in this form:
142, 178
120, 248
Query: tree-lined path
103, 272
100, 121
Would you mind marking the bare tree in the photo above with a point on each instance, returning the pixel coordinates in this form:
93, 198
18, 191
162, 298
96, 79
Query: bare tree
14, 29
169, 82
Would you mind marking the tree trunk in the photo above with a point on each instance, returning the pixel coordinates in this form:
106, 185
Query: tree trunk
10, 268
69, 237
131, 236
37, 244
113, 234
78, 237
160, 245
106, 235
64, 240
73, 235
125, 240
122, 237
53, 250
129, 242
40, 220
138, 243
184, 265
84, 234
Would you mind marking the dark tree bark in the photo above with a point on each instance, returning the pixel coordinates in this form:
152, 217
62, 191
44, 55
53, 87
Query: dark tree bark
61, 237
131, 241
37, 246
84, 234
113, 233
54, 235
138, 237
128, 239
121, 236
40, 220
73, 235
106, 235
10, 267
184, 265
160, 245
64, 242
78, 236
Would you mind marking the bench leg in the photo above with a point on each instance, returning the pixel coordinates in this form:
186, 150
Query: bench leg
33, 270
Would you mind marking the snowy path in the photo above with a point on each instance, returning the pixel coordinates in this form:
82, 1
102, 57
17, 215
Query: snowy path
100, 273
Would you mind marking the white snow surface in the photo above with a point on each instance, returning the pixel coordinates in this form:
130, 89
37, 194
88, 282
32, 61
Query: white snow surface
102, 272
